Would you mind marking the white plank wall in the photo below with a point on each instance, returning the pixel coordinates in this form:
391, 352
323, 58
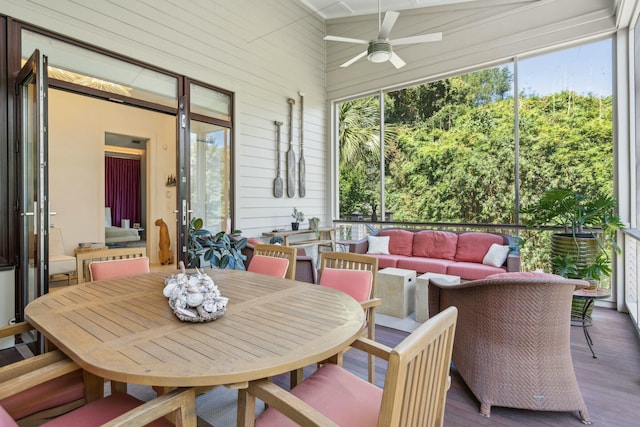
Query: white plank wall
267, 51
263, 51
475, 34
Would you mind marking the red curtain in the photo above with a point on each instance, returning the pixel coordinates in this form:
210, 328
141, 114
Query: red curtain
122, 189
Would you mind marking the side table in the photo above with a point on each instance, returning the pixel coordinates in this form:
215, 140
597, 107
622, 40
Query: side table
422, 292
396, 287
589, 296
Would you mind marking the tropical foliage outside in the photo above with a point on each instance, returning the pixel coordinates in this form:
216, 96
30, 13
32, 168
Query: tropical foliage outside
449, 152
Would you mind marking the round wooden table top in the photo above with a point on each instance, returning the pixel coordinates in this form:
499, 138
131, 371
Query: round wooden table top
123, 329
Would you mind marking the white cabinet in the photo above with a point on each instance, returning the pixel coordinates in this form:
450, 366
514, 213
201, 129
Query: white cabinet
7, 301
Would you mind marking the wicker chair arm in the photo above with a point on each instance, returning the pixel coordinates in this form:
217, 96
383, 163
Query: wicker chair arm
513, 263
579, 284
359, 247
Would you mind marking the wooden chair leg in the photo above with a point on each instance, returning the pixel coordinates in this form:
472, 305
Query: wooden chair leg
296, 378
371, 359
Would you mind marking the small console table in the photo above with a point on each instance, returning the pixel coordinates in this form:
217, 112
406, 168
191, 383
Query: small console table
323, 237
583, 316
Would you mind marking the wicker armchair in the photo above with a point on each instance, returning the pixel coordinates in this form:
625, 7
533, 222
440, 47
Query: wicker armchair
512, 344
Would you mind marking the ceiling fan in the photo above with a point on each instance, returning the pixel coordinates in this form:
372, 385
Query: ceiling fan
381, 49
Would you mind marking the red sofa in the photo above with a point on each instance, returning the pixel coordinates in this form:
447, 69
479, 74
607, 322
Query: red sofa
446, 252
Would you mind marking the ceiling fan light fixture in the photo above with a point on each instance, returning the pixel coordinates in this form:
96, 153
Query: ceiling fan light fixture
379, 51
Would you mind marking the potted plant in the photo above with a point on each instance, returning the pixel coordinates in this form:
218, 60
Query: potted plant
590, 225
314, 224
222, 250
298, 217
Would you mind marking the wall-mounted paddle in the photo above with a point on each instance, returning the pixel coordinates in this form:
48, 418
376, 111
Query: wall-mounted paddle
278, 184
291, 155
302, 167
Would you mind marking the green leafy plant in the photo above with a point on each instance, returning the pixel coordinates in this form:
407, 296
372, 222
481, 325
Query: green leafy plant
297, 215
222, 250
581, 217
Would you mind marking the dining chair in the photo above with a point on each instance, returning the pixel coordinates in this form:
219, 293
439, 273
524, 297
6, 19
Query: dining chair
354, 274
271, 266
117, 409
414, 393
102, 270
49, 398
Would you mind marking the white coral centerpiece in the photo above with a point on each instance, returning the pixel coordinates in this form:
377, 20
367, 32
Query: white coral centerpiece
194, 298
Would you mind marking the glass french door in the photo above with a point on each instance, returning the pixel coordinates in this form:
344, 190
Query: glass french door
31, 89
204, 164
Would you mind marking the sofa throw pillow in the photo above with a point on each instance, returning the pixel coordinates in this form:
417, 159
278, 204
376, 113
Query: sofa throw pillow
378, 245
496, 255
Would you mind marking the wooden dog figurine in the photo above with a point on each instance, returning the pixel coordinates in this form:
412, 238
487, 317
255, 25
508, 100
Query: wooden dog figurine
165, 254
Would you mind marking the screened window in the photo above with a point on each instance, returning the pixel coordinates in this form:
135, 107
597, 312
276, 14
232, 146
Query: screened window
465, 149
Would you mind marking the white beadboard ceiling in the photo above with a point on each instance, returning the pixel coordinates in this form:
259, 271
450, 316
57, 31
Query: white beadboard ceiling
331, 9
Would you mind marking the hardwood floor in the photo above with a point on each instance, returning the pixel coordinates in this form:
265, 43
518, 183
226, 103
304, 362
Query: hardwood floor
610, 384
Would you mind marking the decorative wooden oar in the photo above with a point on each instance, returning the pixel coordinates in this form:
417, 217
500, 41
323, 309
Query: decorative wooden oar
278, 184
302, 167
291, 155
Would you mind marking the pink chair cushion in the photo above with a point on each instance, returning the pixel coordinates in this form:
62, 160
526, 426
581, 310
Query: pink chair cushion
56, 392
345, 398
356, 283
102, 270
271, 266
101, 411
400, 241
472, 247
435, 244
254, 241
6, 420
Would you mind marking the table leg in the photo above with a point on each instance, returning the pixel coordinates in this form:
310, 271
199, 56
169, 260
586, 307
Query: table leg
246, 408
588, 303
93, 387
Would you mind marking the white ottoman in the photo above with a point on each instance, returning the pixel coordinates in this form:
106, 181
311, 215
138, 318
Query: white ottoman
396, 287
422, 292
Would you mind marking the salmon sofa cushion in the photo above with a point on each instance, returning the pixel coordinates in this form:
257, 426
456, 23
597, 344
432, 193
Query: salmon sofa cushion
435, 244
400, 241
472, 247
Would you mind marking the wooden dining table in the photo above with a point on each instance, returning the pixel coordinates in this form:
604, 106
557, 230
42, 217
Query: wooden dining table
124, 330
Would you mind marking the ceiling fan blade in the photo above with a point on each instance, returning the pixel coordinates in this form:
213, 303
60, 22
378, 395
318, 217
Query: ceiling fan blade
397, 61
345, 40
354, 59
389, 20
433, 37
